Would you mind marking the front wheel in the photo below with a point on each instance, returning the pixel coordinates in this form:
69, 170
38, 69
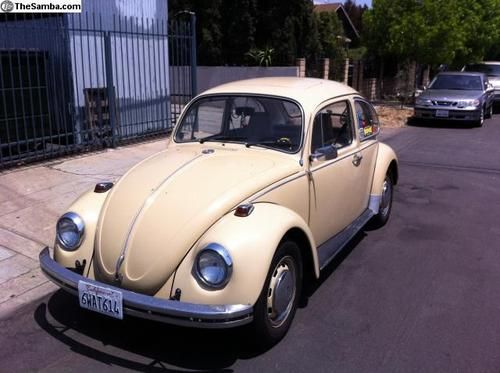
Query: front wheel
385, 207
277, 303
489, 112
480, 121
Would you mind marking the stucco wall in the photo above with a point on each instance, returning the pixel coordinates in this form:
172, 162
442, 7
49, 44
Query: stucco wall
211, 76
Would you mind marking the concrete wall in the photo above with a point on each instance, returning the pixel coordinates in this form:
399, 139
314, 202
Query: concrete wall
211, 76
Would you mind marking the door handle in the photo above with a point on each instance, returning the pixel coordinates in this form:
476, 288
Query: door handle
356, 161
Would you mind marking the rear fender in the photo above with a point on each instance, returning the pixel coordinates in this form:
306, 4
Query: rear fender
387, 162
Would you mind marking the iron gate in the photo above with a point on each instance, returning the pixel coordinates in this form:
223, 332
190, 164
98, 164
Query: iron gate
72, 83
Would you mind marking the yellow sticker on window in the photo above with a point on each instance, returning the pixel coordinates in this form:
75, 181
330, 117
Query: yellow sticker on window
368, 131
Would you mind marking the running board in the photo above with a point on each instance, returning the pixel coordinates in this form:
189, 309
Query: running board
328, 250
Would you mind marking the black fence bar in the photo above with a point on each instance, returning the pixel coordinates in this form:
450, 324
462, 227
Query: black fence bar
78, 82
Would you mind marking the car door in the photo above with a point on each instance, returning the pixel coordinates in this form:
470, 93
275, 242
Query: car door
368, 127
334, 186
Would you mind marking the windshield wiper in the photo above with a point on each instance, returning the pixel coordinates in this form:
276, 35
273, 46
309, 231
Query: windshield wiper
220, 138
284, 144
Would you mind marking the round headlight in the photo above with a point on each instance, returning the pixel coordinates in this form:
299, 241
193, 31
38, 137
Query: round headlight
213, 266
70, 229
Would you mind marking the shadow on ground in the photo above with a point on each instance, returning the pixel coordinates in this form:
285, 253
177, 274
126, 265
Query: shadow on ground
154, 346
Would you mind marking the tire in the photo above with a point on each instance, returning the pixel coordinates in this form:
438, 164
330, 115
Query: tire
277, 303
489, 112
385, 208
480, 121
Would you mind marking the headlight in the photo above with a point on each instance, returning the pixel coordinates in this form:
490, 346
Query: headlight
213, 266
468, 103
70, 229
423, 101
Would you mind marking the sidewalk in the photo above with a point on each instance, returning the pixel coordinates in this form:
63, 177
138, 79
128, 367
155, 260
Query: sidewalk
31, 200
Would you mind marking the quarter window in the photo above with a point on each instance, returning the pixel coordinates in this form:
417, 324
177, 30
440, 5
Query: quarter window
332, 127
368, 124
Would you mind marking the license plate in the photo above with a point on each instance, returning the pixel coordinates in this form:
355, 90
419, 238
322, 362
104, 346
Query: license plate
100, 299
442, 113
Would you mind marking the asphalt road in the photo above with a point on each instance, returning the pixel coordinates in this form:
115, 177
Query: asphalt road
420, 295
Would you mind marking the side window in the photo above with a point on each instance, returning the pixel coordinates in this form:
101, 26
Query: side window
332, 126
368, 124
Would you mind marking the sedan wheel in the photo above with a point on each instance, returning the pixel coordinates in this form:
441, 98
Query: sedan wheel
480, 121
278, 300
489, 112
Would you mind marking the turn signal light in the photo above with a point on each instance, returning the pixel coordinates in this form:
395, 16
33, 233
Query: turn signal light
244, 210
103, 187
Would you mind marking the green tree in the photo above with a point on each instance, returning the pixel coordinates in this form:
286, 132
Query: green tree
332, 42
432, 31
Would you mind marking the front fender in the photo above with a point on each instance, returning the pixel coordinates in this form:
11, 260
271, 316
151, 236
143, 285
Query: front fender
88, 206
251, 242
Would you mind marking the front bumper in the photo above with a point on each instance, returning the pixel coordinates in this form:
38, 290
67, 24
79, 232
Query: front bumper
430, 113
148, 307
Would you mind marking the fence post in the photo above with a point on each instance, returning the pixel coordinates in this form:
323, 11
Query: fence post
194, 81
301, 63
109, 83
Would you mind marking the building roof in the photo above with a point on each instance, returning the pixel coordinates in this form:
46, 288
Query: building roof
331, 7
338, 8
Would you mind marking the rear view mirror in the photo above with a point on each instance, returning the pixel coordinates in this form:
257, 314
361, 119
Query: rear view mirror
324, 153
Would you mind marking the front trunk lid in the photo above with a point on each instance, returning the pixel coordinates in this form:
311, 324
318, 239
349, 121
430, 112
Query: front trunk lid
160, 208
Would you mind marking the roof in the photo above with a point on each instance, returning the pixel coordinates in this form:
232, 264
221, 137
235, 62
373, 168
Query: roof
349, 27
331, 7
309, 92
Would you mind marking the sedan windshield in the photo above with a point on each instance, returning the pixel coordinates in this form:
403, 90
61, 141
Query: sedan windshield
459, 82
250, 120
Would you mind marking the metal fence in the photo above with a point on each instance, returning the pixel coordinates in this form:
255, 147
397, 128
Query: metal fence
72, 83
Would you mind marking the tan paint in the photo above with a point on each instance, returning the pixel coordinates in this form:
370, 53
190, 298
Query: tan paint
183, 192
170, 206
251, 242
88, 206
384, 158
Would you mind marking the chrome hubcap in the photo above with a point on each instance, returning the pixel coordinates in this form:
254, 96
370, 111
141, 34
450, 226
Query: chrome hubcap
385, 204
281, 292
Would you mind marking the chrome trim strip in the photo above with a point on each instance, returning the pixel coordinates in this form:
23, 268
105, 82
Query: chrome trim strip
148, 201
329, 249
149, 307
354, 151
276, 186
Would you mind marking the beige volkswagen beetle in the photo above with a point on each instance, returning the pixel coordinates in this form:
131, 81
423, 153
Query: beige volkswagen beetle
262, 184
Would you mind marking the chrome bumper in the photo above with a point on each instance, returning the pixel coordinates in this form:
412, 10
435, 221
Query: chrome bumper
158, 309
453, 114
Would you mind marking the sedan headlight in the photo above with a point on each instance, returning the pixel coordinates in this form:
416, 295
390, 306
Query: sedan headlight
468, 103
423, 101
213, 266
70, 229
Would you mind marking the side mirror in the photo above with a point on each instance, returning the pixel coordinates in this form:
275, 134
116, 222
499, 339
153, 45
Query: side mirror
490, 88
325, 153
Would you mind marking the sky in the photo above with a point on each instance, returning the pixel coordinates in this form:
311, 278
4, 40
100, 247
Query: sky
359, 2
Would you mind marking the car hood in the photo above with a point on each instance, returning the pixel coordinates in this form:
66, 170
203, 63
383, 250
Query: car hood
159, 209
495, 81
450, 95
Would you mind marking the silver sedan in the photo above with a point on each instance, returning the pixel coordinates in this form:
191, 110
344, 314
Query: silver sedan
462, 96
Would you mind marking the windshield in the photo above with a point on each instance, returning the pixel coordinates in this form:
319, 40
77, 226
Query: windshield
251, 120
492, 70
460, 82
